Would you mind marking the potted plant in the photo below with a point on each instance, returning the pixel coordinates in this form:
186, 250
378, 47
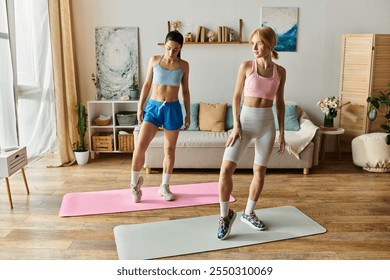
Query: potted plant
134, 90
381, 103
80, 147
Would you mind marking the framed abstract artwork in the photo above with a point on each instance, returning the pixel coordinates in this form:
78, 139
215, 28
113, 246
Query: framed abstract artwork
116, 62
284, 21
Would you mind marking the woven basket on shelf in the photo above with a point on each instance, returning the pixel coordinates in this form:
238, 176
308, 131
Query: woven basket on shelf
126, 118
126, 142
102, 142
103, 122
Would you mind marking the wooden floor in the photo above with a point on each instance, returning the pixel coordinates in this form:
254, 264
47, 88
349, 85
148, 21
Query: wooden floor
353, 205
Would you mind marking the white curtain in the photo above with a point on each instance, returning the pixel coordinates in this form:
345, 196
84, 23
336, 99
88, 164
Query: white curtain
34, 88
8, 131
36, 110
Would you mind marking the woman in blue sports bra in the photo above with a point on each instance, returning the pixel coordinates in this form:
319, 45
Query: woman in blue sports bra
164, 76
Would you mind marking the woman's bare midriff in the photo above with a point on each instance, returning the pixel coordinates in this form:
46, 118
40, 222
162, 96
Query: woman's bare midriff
257, 102
165, 93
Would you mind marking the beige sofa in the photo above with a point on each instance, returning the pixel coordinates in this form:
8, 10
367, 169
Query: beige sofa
204, 149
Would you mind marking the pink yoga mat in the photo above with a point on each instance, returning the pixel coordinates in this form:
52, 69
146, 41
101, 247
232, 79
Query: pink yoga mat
115, 201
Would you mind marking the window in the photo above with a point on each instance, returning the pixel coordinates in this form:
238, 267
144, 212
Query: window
26, 44
27, 115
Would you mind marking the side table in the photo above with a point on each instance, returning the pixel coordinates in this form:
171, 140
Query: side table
337, 133
11, 161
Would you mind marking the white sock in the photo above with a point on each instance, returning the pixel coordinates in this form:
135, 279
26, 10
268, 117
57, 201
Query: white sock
165, 178
250, 206
224, 208
134, 177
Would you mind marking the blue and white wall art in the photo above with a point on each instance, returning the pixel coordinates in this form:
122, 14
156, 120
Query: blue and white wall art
284, 21
116, 62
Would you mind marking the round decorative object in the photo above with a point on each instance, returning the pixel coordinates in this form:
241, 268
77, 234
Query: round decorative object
371, 152
372, 113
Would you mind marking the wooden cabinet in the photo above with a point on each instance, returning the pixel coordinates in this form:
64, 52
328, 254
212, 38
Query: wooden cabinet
11, 161
108, 138
365, 69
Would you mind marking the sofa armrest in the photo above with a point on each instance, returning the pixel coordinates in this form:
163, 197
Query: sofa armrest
317, 145
316, 139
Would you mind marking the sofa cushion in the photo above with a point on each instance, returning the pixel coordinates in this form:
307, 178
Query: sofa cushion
291, 121
194, 107
212, 117
229, 120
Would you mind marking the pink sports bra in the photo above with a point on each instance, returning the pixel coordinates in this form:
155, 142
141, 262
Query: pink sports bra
259, 86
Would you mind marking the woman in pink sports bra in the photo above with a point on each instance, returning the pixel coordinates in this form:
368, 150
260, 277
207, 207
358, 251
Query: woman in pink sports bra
262, 82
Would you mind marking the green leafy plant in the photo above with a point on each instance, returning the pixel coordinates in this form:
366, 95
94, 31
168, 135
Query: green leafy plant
81, 146
134, 84
380, 103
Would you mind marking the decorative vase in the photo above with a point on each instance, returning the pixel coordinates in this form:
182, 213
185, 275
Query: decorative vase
134, 95
328, 120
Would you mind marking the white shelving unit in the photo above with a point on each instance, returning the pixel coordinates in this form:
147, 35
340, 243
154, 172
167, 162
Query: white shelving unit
108, 108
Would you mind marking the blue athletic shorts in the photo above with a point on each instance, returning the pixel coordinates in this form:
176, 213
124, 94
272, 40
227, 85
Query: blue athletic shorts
165, 114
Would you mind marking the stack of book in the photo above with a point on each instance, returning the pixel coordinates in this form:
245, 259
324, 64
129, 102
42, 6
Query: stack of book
201, 34
223, 34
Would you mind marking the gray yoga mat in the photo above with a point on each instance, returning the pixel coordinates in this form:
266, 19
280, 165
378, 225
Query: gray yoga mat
194, 235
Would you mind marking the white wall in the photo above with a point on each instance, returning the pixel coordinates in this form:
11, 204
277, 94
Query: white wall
312, 71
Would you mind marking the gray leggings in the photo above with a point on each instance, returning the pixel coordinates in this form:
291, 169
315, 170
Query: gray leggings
258, 124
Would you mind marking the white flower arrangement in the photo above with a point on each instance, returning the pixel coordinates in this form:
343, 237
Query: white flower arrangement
329, 106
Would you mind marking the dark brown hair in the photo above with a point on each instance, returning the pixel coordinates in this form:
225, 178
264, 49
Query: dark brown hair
176, 37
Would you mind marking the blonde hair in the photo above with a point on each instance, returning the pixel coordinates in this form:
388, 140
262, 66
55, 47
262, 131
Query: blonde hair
268, 37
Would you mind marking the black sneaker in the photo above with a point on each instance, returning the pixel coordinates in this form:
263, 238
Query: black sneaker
225, 225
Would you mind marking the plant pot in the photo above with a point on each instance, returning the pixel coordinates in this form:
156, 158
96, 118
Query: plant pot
134, 95
82, 157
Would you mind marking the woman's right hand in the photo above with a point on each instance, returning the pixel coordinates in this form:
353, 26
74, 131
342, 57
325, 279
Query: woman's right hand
140, 116
236, 134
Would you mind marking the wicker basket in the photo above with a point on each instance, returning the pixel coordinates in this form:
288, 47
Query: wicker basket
103, 122
126, 142
102, 142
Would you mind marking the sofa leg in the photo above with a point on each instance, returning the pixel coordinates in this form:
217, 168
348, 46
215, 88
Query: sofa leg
306, 171
148, 170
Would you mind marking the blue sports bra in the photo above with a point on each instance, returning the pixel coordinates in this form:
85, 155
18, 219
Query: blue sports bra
167, 77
